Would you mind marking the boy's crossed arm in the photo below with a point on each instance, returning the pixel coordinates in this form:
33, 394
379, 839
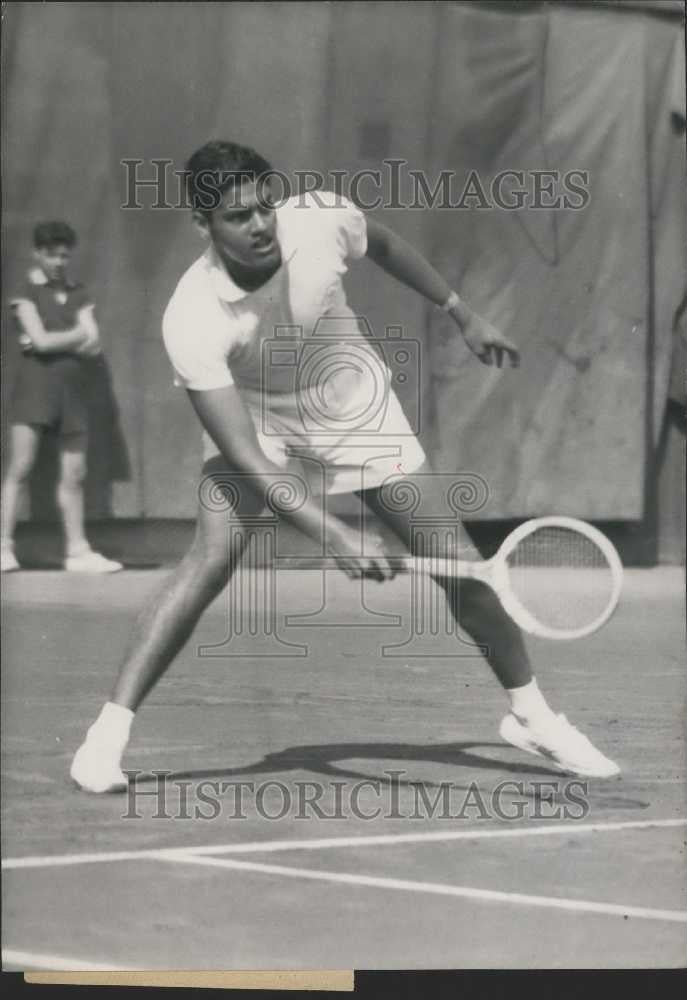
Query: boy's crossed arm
83, 338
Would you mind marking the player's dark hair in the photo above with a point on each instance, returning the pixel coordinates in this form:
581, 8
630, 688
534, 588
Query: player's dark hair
52, 234
216, 168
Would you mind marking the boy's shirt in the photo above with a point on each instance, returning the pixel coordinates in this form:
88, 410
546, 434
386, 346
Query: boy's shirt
57, 303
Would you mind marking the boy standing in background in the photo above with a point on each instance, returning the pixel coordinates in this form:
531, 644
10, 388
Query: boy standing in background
57, 333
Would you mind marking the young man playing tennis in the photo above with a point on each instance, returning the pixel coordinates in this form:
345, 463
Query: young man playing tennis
265, 268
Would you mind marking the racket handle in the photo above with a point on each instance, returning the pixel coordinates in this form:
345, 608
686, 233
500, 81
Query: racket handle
463, 568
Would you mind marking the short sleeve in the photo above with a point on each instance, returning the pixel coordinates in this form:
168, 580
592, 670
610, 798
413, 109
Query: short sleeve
196, 348
347, 221
24, 292
351, 227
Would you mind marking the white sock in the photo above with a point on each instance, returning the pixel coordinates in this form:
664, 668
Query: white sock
73, 552
528, 703
113, 725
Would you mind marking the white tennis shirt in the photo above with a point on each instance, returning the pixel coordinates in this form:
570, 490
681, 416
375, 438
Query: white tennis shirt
215, 332
293, 347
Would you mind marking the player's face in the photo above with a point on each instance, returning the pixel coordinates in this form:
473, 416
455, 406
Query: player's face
243, 228
53, 261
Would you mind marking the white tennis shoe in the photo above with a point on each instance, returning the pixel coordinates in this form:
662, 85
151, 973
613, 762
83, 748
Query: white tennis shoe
96, 768
560, 742
8, 561
91, 562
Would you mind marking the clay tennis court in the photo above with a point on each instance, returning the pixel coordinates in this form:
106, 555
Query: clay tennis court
87, 887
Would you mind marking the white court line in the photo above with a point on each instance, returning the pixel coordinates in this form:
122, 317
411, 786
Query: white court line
316, 844
436, 888
56, 963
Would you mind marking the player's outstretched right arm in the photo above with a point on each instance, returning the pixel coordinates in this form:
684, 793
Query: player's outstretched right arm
225, 417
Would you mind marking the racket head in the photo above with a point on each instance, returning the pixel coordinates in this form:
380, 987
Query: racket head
558, 577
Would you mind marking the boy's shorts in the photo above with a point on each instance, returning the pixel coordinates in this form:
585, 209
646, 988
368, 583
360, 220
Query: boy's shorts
51, 393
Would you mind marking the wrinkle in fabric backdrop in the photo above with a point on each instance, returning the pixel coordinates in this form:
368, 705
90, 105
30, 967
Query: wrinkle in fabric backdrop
590, 296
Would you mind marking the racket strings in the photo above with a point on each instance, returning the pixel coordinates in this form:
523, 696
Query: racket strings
561, 577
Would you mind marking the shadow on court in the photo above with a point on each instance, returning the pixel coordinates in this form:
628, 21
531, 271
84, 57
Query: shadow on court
324, 759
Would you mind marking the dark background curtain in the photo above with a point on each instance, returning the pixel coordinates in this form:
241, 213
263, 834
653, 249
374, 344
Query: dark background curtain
591, 296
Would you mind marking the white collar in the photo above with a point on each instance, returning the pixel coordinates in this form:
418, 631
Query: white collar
37, 277
224, 285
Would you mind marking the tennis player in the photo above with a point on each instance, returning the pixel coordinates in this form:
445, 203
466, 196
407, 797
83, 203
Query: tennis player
58, 334
266, 267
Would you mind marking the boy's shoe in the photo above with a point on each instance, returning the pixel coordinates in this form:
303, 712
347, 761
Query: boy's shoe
566, 747
8, 560
96, 768
91, 562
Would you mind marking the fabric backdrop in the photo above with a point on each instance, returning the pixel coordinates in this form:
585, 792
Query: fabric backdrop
589, 295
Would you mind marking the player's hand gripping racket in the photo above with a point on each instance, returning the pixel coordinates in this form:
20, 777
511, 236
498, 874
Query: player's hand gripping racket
557, 577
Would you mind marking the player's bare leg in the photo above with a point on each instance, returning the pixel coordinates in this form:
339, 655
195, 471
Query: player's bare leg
160, 633
24, 442
531, 724
166, 625
473, 604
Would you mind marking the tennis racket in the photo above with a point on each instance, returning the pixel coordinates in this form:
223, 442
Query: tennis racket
557, 577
